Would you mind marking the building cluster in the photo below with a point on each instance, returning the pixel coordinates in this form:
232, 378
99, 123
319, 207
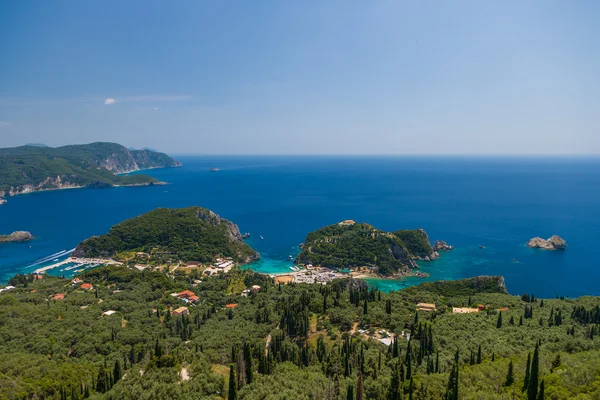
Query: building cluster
321, 275
187, 296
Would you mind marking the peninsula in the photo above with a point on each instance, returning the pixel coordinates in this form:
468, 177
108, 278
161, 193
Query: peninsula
362, 247
171, 237
30, 168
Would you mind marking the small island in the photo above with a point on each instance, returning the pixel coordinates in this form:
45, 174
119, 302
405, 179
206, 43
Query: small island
363, 249
553, 243
18, 236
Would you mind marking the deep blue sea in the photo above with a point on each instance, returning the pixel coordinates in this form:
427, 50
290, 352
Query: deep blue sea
496, 202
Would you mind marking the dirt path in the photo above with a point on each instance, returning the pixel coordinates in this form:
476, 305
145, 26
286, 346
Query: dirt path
354, 328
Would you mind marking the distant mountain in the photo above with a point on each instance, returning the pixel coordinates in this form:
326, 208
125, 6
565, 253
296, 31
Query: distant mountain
348, 245
37, 145
32, 168
187, 234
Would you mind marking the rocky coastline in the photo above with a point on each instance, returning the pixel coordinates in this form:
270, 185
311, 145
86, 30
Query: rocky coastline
553, 243
17, 236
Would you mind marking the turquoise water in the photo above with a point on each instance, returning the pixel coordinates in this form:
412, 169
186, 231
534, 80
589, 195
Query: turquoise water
498, 203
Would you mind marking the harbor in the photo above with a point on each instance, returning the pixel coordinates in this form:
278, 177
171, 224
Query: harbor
75, 264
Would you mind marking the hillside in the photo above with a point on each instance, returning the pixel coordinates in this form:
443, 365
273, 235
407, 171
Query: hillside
31, 168
187, 234
122, 339
349, 245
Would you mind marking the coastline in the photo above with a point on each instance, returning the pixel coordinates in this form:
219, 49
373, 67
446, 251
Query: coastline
3, 199
144, 169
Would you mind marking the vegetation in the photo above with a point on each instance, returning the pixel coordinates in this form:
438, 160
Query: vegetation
187, 234
29, 168
287, 342
354, 245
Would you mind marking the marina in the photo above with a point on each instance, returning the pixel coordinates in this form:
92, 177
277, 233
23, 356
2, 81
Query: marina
70, 264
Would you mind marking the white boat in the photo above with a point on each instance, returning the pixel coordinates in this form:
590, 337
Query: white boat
261, 237
294, 268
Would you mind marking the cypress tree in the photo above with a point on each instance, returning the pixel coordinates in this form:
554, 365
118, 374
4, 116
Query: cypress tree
116, 371
101, 383
365, 307
437, 362
532, 387
394, 389
521, 321
359, 387
541, 395
526, 380
510, 377
350, 393
499, 322
232, 394
479, 355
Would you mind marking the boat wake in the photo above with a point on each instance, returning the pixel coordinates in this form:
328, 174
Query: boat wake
50, 257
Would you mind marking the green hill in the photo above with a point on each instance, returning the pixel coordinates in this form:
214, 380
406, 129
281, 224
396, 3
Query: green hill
188, 234
31, 168
290, 341
349, 245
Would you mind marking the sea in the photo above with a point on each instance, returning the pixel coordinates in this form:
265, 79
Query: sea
495, 202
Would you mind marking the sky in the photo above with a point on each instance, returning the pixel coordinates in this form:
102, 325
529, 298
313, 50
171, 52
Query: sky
303, 77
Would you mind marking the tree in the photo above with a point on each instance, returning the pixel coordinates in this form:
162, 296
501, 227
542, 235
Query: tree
394, 388
350, 393
479, 355
232, 393
359, 388
510, 377
117, 371
527, 367
541, 395
499, 321
532, 387
365, 307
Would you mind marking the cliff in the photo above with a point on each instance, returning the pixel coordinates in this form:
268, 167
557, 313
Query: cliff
18, 236
553, 243
30, 168
187, 234
348, 245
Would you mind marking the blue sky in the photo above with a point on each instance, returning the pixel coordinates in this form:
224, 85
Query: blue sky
303, 77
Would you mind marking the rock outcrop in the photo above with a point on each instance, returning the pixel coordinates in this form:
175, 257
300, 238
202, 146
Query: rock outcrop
440, 245
553, 243
18, 236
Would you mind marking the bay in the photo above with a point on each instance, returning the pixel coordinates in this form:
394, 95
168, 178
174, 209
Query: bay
496, 202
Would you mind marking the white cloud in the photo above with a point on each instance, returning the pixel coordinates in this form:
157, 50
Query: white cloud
109, 101
4, 124
155, 108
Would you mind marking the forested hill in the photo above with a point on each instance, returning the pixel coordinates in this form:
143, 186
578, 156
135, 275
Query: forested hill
170, 235
350, 245
32, 168
124, 338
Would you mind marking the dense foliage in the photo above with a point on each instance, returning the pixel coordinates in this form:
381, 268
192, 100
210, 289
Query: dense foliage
91, 165
416, 241
289, 342
186, 234
358, 245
